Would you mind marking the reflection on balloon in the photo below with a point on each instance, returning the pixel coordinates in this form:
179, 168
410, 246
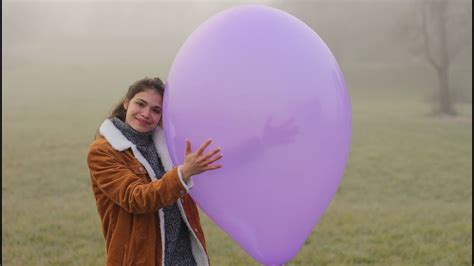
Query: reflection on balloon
266, 89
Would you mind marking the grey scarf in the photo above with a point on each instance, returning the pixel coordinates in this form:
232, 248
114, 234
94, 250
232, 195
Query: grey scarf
177, 239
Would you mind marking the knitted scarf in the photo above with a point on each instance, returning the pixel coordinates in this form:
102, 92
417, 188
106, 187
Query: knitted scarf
177, 242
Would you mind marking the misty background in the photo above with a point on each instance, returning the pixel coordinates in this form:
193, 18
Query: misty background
406, 196
77, 51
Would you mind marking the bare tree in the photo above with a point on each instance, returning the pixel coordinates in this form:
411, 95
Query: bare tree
440, 30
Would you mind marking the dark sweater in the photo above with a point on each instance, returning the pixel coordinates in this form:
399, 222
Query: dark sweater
177, 239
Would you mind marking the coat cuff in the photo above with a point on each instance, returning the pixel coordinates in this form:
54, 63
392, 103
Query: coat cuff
187, 185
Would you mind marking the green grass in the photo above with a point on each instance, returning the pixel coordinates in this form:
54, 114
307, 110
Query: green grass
405, 198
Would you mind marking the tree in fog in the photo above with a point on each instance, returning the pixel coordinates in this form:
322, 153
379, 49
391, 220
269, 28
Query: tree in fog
439, 30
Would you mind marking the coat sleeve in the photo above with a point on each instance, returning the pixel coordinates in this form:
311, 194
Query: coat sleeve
126, 189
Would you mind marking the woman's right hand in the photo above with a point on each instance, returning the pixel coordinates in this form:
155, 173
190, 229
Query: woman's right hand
198, 162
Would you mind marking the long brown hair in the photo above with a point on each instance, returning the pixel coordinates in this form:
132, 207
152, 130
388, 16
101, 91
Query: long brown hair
138, 86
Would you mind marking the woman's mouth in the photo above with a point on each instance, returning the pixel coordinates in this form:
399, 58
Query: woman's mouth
142, 122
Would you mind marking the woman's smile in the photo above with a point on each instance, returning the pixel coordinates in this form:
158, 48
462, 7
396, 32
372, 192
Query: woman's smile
142, 121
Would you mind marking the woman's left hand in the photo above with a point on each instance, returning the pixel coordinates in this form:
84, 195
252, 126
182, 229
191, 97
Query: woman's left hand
198, 162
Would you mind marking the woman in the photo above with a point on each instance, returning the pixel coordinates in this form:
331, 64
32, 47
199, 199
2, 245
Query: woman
147, 216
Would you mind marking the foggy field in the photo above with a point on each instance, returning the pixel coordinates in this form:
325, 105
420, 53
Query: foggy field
405, 198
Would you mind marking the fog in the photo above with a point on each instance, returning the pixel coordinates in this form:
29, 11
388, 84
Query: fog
71, 49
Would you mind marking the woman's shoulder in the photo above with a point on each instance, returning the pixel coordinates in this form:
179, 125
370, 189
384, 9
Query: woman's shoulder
99, 141
101, 144
101, 151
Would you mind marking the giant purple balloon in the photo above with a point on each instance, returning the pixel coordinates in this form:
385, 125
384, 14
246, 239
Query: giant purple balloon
266, 89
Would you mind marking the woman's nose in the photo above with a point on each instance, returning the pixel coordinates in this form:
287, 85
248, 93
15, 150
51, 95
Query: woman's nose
146, 113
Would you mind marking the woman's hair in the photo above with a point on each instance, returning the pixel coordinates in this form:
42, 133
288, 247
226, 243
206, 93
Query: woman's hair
154, 84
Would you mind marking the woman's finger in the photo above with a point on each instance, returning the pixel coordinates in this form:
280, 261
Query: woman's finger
213, 159
213, 167
188, 149
203, 146
211, 153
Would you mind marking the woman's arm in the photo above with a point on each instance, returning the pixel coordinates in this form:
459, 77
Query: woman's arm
122, 186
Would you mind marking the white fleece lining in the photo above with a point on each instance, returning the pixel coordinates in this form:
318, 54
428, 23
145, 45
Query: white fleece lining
196, 247
144, 162
119, 142
162, 149
187, 184
113, 135
161, 213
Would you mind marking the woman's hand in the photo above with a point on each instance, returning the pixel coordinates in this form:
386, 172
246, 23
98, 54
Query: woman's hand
274, 135
198, 162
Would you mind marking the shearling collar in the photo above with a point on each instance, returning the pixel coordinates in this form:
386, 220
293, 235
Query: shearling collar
119, 142
114, 137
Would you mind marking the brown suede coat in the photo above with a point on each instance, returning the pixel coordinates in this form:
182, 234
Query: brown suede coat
128, 203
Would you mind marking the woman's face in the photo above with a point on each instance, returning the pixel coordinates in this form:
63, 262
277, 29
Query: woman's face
144, 110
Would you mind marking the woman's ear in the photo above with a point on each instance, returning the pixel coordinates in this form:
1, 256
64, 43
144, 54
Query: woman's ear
125, 104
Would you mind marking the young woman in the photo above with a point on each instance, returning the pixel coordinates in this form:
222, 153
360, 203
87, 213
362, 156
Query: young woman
147, 216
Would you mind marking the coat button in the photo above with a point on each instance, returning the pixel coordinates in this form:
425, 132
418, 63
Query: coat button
141, 169
195, 230
181, 192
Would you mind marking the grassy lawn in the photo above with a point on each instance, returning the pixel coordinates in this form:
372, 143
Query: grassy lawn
405, 198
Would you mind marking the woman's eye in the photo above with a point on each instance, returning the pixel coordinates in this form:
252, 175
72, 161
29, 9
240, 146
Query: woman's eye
140, 104
158, 111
